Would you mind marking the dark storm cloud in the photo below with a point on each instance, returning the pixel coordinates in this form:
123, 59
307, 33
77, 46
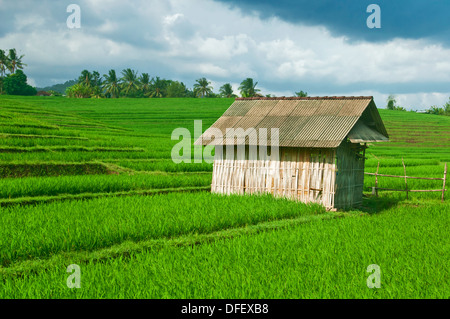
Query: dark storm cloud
411, 19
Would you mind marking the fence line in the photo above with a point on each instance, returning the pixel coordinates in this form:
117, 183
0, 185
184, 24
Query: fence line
431, 178
376, 188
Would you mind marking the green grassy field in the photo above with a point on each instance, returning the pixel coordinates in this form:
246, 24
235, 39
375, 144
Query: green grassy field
91, 182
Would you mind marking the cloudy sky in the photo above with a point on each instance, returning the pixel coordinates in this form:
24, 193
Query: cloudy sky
323, 47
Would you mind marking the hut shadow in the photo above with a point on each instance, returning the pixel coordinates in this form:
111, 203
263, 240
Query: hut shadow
373, 205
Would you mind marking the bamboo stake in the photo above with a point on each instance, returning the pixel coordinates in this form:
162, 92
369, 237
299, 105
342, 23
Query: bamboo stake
376, 180
406, 180
443, 186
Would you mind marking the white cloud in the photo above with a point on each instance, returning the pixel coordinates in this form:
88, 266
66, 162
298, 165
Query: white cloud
208, 69
225, 48
410, 101
108, 27
171, 19
28, 20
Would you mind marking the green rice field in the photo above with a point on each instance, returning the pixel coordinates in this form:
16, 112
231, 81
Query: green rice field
91, 182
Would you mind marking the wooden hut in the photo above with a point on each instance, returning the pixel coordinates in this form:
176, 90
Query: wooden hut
321, 148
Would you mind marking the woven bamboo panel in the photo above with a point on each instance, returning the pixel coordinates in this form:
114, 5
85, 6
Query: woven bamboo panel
306, 175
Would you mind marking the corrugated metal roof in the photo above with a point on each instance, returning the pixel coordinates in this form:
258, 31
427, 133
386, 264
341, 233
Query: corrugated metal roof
319, 122
283, 108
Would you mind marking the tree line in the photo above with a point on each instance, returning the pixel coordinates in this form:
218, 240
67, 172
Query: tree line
130, 84
12, 79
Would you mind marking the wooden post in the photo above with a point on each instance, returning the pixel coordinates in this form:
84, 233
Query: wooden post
406, 180
376, 180
443, 186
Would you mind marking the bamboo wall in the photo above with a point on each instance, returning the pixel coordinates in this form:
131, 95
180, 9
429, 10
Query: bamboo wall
307, 175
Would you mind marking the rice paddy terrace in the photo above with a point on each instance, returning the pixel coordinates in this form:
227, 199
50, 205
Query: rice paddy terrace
91, 182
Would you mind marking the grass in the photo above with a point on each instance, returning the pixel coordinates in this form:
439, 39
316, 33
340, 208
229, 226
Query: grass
320, 259
34, 200
70, 148
165, 165
24, 169
179, 244
41, 186
67, 226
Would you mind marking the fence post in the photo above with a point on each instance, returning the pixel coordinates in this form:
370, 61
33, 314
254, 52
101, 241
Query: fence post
406, 183
376, 180
443, 186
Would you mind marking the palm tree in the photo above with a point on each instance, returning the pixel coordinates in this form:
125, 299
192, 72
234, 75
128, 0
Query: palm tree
96, 84
111, 84
129, 80
85, 78
226, 90
96, 79
15, 61
202, 88
144, 80
156, 87
4, 63
247, 88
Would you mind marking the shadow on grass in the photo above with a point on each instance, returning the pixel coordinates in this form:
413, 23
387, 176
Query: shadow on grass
373, 205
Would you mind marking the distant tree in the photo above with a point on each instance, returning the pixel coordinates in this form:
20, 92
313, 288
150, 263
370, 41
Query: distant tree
190, 93
97, 79
301, 94
248, 88
447, 108
202, 87
80, 90
158, 87
391, 102
97, 85
435, 110
111, 84
130, 82
14, 61
213, 95
4, 63
144, 81
16, 84
92, 81
226, 90
85, 78
177, 89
